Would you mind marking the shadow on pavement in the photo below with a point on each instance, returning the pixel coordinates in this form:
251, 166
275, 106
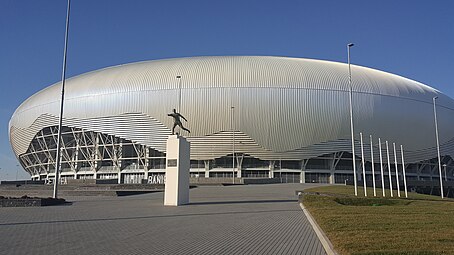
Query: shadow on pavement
145, 217
244, 202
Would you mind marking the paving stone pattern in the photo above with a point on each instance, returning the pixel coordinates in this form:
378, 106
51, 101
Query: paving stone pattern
250, 219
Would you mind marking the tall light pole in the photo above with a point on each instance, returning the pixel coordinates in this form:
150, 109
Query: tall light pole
179, 93
60, 119
179, 98
233, 144
351, 117
438, 146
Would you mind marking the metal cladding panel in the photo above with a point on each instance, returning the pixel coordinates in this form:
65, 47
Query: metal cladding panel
284, 107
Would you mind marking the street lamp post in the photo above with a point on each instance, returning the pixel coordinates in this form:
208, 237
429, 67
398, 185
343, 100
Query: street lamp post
233, 144
179, 98
60, 119
351, 118
438, 146
179, 93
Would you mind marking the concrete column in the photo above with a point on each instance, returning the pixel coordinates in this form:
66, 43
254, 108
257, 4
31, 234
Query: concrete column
207, 168
76, 157
96, 153
239, 163
120, 155
303, 176
418, 172
331, 176
271, 169
303, 172
96, 156
332, 168
146, 166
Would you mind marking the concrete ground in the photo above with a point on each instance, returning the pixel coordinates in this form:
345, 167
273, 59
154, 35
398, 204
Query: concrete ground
249, 219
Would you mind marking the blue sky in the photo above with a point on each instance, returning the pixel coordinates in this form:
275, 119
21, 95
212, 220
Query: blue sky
411, 38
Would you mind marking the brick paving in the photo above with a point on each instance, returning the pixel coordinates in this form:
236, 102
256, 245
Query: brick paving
250, 219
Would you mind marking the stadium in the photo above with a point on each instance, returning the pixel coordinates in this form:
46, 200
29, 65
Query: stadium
249, 117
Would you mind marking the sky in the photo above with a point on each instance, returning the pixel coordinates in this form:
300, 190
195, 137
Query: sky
411, 38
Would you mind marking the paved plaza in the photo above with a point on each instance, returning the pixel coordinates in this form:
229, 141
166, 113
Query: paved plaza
249, 219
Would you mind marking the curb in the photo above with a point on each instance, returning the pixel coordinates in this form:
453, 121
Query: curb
327, 245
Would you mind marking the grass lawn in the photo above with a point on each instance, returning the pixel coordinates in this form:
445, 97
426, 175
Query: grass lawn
421, 224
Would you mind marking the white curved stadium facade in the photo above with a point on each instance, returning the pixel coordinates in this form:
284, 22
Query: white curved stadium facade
290, 118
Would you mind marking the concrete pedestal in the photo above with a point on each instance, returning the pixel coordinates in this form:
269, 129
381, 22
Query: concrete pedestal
177, 171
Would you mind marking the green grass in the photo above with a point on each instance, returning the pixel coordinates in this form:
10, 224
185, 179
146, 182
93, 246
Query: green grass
358, 225
349, 191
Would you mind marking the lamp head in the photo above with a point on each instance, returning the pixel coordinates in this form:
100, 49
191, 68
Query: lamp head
350, 45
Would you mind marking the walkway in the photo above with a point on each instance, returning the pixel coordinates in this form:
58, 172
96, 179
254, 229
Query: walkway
250, 219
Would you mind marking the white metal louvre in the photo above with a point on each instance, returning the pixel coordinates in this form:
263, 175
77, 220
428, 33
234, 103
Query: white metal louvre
284, 107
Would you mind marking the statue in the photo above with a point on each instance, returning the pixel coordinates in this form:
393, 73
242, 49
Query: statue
177, 122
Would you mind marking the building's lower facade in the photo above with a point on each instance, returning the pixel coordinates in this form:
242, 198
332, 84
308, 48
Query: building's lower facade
92, 155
